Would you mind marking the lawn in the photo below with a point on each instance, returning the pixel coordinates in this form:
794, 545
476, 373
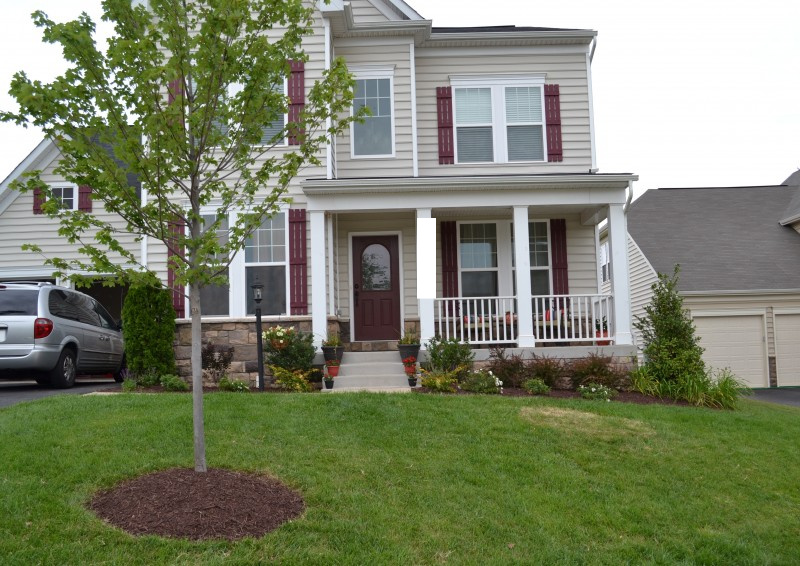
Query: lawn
418, 479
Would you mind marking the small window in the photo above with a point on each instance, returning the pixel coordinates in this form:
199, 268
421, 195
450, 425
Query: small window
66, 195
479, 266
375, 136
605, 263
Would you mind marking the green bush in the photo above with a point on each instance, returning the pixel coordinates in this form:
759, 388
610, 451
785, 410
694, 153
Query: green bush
441, 381
149, 330
597, 392
594, 368
719, 389
291, 380
236, 385
447, 355
216, 360
536, 387
482, 381
148, 378
511, 370
297, 355
173, 383
129, 385
548, 370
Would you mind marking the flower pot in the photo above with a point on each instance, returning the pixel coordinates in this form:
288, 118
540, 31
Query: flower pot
333, 352
410, 370
602, 334
407, 350
412, 381
333, 371
328, 384
279, 344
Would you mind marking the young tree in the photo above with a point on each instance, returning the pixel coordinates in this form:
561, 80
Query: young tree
182, 96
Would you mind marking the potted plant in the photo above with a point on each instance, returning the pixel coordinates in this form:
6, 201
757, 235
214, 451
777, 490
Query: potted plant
329, 381
332, 367
601, 331
278, 336
332, 347
408, 345
410, 365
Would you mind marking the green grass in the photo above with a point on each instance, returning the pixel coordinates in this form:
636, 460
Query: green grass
418, 479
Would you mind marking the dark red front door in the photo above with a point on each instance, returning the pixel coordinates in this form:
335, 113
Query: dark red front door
376, 288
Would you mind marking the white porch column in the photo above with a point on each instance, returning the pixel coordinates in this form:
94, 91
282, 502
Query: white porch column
522, 261
620, 278
319, 295
426, 273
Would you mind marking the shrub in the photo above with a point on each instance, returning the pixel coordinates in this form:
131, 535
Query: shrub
173, 383
482, 381
511, 370
441, 381
448, 355
536, 387
216, 360
129, 385
597, 392
236, 385
594, 368
548, 370
149, 330
719, 389
291, 380
148, 378
297, 355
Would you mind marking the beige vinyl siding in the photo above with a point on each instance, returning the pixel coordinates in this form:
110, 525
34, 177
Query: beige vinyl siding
364, 12
18, 225
581, 257
566, 70
642, 276
392, 55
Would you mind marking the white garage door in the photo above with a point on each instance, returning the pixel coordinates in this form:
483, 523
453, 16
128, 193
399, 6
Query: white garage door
787, 348
735, 342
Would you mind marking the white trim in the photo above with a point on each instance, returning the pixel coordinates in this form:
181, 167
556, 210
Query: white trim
400, 275
370, 41
425, 262
500, 51
319, 318
374, 72
41, 156
620, 274
787, 310
414, 141
744, 292
331, 267
522, 255
731, 312
489, 80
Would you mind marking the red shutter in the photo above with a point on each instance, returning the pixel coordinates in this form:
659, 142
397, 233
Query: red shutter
176, 230
449, 258
85, 198
297, 98
552, 116
558, 249
174, 89
444, 109
298, 273
38, 200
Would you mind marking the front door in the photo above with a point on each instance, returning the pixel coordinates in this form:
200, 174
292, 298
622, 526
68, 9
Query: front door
376, 288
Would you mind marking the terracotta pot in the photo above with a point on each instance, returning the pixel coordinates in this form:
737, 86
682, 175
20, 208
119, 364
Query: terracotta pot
333, 371
602, 334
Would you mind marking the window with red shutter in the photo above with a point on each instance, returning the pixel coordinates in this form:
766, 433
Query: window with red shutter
298, 270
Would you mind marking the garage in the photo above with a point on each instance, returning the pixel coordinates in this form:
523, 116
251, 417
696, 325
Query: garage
736, 341
787, 348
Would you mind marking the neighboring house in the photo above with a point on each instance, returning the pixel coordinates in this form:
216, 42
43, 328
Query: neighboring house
739, 253
477, 166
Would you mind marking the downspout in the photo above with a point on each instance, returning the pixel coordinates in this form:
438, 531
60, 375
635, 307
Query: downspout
414, 149
328, 145
589, 58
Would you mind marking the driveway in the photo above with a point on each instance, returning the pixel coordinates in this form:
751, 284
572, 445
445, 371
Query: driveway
780, 395
12, 392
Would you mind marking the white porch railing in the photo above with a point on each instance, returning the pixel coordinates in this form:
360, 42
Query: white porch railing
556, 318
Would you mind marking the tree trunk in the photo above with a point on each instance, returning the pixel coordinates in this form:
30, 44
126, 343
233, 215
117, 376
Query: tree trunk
197, 381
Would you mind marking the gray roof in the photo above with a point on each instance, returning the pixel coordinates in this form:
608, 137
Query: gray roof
724, 238
792, 213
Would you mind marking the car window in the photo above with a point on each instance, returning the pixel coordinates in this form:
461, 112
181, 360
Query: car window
59, 306
19, 301
106, 320
73, 306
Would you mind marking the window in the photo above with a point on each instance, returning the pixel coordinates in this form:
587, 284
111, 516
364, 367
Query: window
540, 257
374, 137
215, 298
499, 120
270, 131
265, 254
67, 195
479, 260
605, 263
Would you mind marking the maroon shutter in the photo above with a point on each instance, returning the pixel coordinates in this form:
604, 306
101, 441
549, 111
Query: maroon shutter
444, 109
85, 198
552, 116
176, 230
297, 98
174, 89
38, 200
558, 248
298, 273
449, 258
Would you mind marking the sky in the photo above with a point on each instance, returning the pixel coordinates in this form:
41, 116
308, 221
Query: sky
686, 93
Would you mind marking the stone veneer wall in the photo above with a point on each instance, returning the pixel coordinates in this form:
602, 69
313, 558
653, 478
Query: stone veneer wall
239, 333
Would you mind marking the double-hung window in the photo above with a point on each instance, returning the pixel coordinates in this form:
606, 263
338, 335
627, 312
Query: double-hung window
66, 195
499, 119
268, 131
479, 259
374, 137
215, 298
265, 256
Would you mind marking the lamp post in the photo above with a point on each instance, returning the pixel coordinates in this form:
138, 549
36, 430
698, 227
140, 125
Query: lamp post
257, 287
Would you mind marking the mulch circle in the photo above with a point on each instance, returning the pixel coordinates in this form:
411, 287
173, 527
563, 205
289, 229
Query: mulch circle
182, 503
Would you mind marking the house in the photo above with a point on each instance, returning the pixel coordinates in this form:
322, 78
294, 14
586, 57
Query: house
739, 253
467, 205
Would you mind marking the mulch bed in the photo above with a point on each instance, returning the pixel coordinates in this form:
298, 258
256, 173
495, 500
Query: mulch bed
182, 503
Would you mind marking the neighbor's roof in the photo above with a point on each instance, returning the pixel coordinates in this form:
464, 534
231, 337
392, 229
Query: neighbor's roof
496, 29
792, 213
725, 238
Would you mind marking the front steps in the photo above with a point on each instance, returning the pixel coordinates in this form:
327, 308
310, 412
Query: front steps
371, 371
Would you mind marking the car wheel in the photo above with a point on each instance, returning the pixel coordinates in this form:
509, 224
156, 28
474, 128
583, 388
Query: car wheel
119, 375
63, 375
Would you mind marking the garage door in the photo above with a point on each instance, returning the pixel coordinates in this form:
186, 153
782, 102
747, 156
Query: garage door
736, 342
787, 348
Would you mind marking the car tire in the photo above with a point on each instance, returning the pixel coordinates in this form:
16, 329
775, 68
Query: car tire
119, 375
63, 375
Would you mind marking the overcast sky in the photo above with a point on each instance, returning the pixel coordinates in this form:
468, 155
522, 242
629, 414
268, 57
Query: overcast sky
686, 93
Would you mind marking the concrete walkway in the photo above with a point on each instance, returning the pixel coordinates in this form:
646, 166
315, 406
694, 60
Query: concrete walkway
780, 395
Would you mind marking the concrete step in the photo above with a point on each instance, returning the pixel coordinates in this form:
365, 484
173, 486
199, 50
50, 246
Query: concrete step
371, 371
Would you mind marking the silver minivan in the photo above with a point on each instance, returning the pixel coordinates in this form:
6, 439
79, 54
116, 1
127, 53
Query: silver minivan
53, 334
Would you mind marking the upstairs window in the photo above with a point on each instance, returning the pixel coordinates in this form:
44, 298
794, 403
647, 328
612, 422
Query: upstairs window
499, 120
269, 131
375, 136
66, 195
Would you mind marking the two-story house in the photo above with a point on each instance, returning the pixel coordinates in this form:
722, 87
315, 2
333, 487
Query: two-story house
466, 205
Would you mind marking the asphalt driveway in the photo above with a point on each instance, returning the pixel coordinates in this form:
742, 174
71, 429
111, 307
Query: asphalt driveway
780, 395
13, 392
